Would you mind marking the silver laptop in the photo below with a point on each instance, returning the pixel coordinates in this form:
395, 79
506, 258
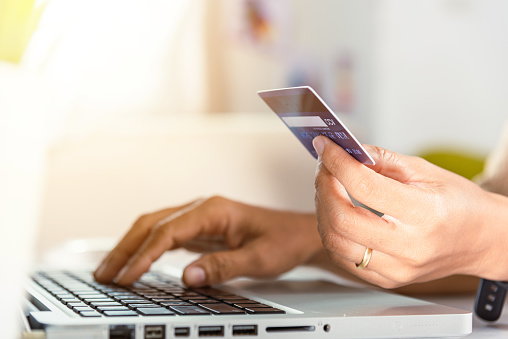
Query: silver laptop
67, 304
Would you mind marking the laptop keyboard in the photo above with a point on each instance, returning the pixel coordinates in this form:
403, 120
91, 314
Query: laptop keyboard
153, 295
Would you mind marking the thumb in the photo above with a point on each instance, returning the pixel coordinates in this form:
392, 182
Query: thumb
382, 186
217, 267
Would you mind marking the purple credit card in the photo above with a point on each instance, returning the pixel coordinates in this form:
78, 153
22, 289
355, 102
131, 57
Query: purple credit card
308, 116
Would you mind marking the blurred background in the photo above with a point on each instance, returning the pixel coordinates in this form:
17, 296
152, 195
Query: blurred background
110, 109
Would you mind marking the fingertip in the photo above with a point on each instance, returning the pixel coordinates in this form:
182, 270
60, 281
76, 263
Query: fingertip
104, 273
99, 274
194, 276
129, 274
319, 144
123, 276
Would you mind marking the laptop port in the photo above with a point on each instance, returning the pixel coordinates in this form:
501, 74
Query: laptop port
122, 332
211, 331
182, 331
290, 329
245, 330
155, 332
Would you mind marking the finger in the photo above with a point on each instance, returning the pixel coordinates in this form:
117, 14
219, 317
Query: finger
409, 265
351, 254
366, 274
207, 218
381, 269
338, 217
365, 184
206, 244
218, 267
344, 248
384, 270
128, 245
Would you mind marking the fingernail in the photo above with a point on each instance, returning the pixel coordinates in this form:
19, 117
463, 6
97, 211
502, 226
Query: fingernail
319, 144
121, 274
99, 271
194, 276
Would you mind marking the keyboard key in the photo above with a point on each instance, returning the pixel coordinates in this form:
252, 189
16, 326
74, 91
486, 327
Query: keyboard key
203, 301
175, 303
107, 303
92, 300
143, 305
139, 284
113, 308
153, 294
189, 310
137, 301
244, 302
186, 295
222, 309
210, 291
173, 290
264, 310
61, 296
128, 297
93, 294
155, 311
125, 293
82, 308
252, 305
166, 299
77, 304
120, 313
70, 300
231, 298
89, 314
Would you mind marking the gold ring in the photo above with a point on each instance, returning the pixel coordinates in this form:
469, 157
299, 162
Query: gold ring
365, 260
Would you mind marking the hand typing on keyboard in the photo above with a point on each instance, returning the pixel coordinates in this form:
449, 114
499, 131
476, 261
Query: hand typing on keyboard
239, 240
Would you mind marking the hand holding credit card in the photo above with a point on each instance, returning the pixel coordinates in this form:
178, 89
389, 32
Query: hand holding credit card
308, 116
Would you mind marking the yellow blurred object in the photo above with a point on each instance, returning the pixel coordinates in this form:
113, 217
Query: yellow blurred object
462, 163
18, 20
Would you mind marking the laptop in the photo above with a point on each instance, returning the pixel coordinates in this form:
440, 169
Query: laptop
70, 304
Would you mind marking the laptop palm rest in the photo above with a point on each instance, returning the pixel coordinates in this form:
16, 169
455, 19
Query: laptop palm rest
322, 297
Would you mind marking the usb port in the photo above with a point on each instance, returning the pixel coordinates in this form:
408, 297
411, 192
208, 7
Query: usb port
245, 330
182, 331
155, 332
211, 331
122, 332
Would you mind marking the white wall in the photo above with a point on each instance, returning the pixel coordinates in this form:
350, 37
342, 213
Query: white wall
22, 170
100, 185
108, 60
441, 74
427, 73
315, 33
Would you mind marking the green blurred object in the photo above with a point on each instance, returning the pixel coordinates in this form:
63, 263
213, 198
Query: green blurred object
462, 163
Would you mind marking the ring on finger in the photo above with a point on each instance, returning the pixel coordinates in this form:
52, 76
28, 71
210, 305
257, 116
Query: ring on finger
366, 258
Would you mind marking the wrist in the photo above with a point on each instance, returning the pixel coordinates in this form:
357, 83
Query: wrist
492, 261
314, 243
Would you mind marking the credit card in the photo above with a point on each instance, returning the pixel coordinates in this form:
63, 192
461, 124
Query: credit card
307, 116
